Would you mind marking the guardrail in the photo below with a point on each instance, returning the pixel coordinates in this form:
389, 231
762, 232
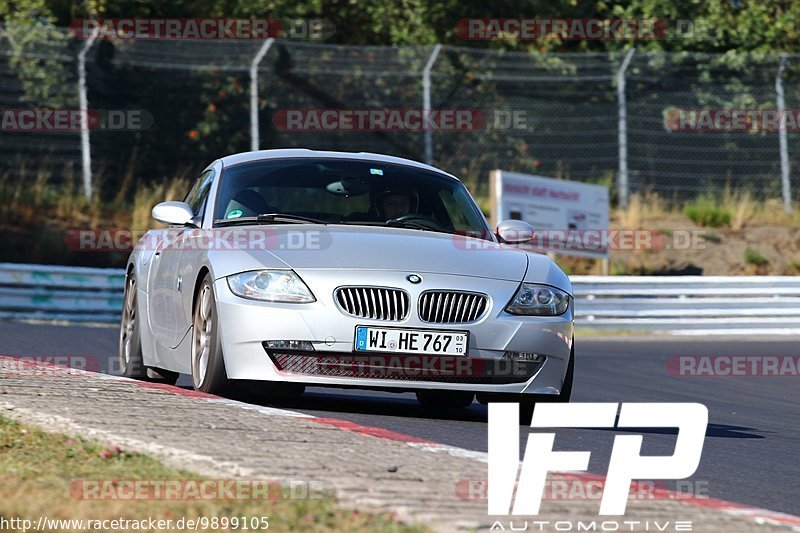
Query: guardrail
700, 305
692, 305
49, 292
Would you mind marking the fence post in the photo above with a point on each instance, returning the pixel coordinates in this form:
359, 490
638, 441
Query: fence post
426, 102
254, 132
86, 148
622, 175
782, 136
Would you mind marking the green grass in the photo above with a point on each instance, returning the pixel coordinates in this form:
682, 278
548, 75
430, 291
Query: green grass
754, 257
37, 470
706, 211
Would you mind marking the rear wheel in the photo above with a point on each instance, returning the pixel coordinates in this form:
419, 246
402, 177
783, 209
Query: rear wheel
131, 360
208, 365
130, 344
445, 399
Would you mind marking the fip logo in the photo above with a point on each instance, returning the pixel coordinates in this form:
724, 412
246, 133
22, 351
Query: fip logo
626, 464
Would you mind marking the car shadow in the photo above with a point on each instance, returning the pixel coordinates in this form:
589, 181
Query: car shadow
345, 401
713, 430
321, 401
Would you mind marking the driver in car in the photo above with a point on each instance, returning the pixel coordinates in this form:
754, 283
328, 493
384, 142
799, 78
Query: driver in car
395, 204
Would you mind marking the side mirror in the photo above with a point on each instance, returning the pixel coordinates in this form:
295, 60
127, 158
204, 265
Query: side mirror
173, 213
515, 232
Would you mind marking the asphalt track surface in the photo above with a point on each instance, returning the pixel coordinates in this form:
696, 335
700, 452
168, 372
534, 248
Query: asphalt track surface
752, 442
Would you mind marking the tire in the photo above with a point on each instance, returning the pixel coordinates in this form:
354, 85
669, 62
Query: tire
161, 375
445, 399
130, 342
566, 389
526, 407
208, 364
131, 360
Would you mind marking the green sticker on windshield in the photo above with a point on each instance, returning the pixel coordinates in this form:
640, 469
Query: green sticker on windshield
235, 213
376, 171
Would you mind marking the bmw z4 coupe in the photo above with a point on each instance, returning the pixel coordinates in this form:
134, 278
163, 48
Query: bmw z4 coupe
282, 269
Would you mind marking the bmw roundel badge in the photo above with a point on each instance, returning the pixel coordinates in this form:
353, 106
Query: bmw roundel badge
414, 278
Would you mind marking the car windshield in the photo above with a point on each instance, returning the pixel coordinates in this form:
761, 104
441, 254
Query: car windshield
340, 191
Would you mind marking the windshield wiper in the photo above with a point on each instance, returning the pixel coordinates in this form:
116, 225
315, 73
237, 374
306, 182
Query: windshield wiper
270, 218
290, 218
407, 224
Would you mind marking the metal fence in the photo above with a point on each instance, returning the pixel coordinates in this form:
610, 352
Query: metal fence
599, 117
689, 305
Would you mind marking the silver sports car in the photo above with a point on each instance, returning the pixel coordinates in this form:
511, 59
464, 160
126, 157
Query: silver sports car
287, 268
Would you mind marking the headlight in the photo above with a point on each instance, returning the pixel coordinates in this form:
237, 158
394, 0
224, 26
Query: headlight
270, 286
539, 300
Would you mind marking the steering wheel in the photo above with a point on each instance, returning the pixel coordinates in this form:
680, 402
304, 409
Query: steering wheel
422, 220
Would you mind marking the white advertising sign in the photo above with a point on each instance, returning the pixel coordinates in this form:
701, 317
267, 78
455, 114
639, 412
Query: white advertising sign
567, 217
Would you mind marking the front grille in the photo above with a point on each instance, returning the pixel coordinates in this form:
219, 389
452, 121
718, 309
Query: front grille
402, 367
377, 303
451, 307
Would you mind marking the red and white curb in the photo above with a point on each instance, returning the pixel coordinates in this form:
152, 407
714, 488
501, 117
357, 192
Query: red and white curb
756, 514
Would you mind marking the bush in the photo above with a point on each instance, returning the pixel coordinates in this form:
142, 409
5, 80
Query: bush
706, 211
752, 257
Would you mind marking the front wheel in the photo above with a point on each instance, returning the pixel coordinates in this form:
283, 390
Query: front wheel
208, 365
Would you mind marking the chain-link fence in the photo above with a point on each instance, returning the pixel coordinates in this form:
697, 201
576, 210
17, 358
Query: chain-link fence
185, 103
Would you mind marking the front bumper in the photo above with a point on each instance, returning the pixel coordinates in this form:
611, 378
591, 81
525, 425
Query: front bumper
246, 324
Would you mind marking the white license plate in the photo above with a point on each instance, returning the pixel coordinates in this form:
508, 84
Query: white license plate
421, 341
